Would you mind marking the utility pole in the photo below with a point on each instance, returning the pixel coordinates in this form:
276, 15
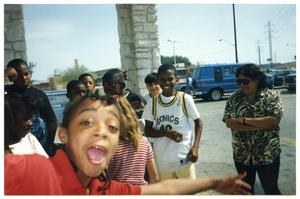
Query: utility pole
258, 50
270, 44
235, 41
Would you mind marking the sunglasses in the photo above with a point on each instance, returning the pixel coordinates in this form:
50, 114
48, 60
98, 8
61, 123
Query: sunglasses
243, 81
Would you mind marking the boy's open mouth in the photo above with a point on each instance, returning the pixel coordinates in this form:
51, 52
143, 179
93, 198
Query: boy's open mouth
95, 154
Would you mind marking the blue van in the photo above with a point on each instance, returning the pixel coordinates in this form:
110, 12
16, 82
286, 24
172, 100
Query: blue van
212, 81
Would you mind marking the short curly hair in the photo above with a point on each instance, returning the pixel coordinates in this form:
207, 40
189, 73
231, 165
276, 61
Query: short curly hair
253, 72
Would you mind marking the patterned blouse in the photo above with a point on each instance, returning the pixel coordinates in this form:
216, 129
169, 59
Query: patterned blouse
260, 147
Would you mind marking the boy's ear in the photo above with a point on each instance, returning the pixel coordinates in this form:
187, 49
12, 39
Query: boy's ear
62, 134
177, 80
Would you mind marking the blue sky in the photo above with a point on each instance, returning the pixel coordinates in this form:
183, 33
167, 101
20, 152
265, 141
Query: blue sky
57, 34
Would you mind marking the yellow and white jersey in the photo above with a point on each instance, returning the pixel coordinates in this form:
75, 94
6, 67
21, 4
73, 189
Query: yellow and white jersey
172, 113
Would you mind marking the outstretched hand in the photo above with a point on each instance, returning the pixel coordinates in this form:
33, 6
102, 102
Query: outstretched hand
233, 185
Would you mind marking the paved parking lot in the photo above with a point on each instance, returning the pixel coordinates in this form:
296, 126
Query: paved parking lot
216, 152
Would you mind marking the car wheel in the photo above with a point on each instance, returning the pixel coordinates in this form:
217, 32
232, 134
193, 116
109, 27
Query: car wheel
215, 94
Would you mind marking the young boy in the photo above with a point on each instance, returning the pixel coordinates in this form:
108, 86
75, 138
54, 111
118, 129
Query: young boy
167, 123
114, 84
88, 80
75, 88
152, 86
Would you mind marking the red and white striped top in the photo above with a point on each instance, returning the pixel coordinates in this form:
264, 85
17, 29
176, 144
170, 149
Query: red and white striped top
129, 166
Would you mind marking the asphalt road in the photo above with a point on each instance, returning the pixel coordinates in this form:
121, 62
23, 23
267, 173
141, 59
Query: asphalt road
216, 159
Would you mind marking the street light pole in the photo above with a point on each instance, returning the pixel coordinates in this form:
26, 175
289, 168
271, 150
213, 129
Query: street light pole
235, 42
174, 55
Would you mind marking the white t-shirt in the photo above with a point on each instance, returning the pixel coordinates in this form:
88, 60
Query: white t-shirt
28, 145
169, 155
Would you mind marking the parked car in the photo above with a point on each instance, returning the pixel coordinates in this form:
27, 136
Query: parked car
279, 75
184, 85
212, 81
58, 100
290, 82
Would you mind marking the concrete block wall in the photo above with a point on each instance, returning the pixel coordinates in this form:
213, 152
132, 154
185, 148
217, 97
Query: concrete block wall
14, 33
139, 45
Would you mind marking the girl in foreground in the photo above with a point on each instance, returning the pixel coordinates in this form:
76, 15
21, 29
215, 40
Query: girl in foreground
90, 131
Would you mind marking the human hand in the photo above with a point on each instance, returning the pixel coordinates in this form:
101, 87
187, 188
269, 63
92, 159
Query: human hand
11, 74
233, 185
193, 154
175, 136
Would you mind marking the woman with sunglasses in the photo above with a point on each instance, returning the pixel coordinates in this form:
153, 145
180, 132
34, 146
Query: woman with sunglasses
253, 114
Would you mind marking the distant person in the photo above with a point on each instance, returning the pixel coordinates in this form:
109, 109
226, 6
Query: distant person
90, 132
253, 114
17, 116
138, 105
152, 86
134, 155
43, 118
168, 126
75, 88
188, 83
88, 80
114, 84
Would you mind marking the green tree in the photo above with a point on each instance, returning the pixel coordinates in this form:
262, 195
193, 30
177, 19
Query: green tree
73, 73
179, 59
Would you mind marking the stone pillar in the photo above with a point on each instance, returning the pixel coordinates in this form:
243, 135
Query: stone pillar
14, 33
139, 46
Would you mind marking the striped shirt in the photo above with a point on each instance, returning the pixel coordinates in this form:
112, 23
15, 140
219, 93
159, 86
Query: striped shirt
129, 166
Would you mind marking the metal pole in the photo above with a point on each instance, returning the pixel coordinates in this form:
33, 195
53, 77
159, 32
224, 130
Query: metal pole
258, 48
174, 53
235, 41
270, 44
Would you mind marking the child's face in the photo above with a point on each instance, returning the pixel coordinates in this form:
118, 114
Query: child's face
113, 88
137, 104
89, 83
24, 76
78, 91
167, 81
92, 137
153, 88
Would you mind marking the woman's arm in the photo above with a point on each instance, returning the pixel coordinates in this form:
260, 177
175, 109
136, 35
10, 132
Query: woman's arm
152, 171
226, 185
266, 122
242, 124
236, 125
